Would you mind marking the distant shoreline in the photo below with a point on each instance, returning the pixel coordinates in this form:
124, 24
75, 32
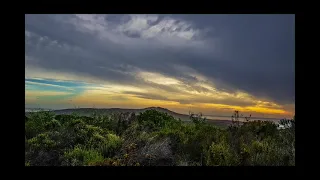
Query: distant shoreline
184, 117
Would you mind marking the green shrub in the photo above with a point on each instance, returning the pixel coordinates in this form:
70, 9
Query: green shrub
105, 122
81, 157
260, 129
110, 146
52, 125
220, 154
43, 150
27, 164
42, 142
32, 129
78, 132
36, 123
152, 120
65, 118
41, 116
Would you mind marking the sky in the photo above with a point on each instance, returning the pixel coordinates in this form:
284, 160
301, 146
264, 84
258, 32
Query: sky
213, 64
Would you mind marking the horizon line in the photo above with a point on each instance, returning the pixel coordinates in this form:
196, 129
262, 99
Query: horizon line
146, 108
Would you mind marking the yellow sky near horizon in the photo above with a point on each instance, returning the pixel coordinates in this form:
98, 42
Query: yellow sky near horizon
180, 98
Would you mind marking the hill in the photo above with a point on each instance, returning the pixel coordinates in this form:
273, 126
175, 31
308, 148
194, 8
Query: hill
106, 111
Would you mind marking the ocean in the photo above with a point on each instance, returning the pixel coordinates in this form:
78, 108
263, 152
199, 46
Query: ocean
240, 118
35, 109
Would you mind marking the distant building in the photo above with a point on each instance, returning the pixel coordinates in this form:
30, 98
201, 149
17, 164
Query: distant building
280, 126
285, 126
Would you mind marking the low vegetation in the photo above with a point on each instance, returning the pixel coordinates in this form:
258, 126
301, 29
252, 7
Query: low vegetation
154, 138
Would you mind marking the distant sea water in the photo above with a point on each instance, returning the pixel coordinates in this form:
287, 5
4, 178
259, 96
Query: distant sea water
35, 109
242, 118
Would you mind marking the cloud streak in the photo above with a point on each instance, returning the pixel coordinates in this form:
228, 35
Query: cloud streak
44, 84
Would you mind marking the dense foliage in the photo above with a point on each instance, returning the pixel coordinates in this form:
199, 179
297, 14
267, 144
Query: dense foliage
154, 138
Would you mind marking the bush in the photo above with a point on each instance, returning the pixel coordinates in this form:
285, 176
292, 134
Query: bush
41, 116
32, 129
36, 123
43, 150
78, 132
42, 142
152, 120
81, 157
64, 118
110, 145
27, 164
220, 154
52, 125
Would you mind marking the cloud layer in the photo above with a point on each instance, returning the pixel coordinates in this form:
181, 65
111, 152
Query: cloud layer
233, 60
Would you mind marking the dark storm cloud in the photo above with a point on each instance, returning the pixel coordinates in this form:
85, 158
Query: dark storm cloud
258, 53
253, 53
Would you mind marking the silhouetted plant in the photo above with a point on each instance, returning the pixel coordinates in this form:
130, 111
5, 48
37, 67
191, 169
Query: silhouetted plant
197, 119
